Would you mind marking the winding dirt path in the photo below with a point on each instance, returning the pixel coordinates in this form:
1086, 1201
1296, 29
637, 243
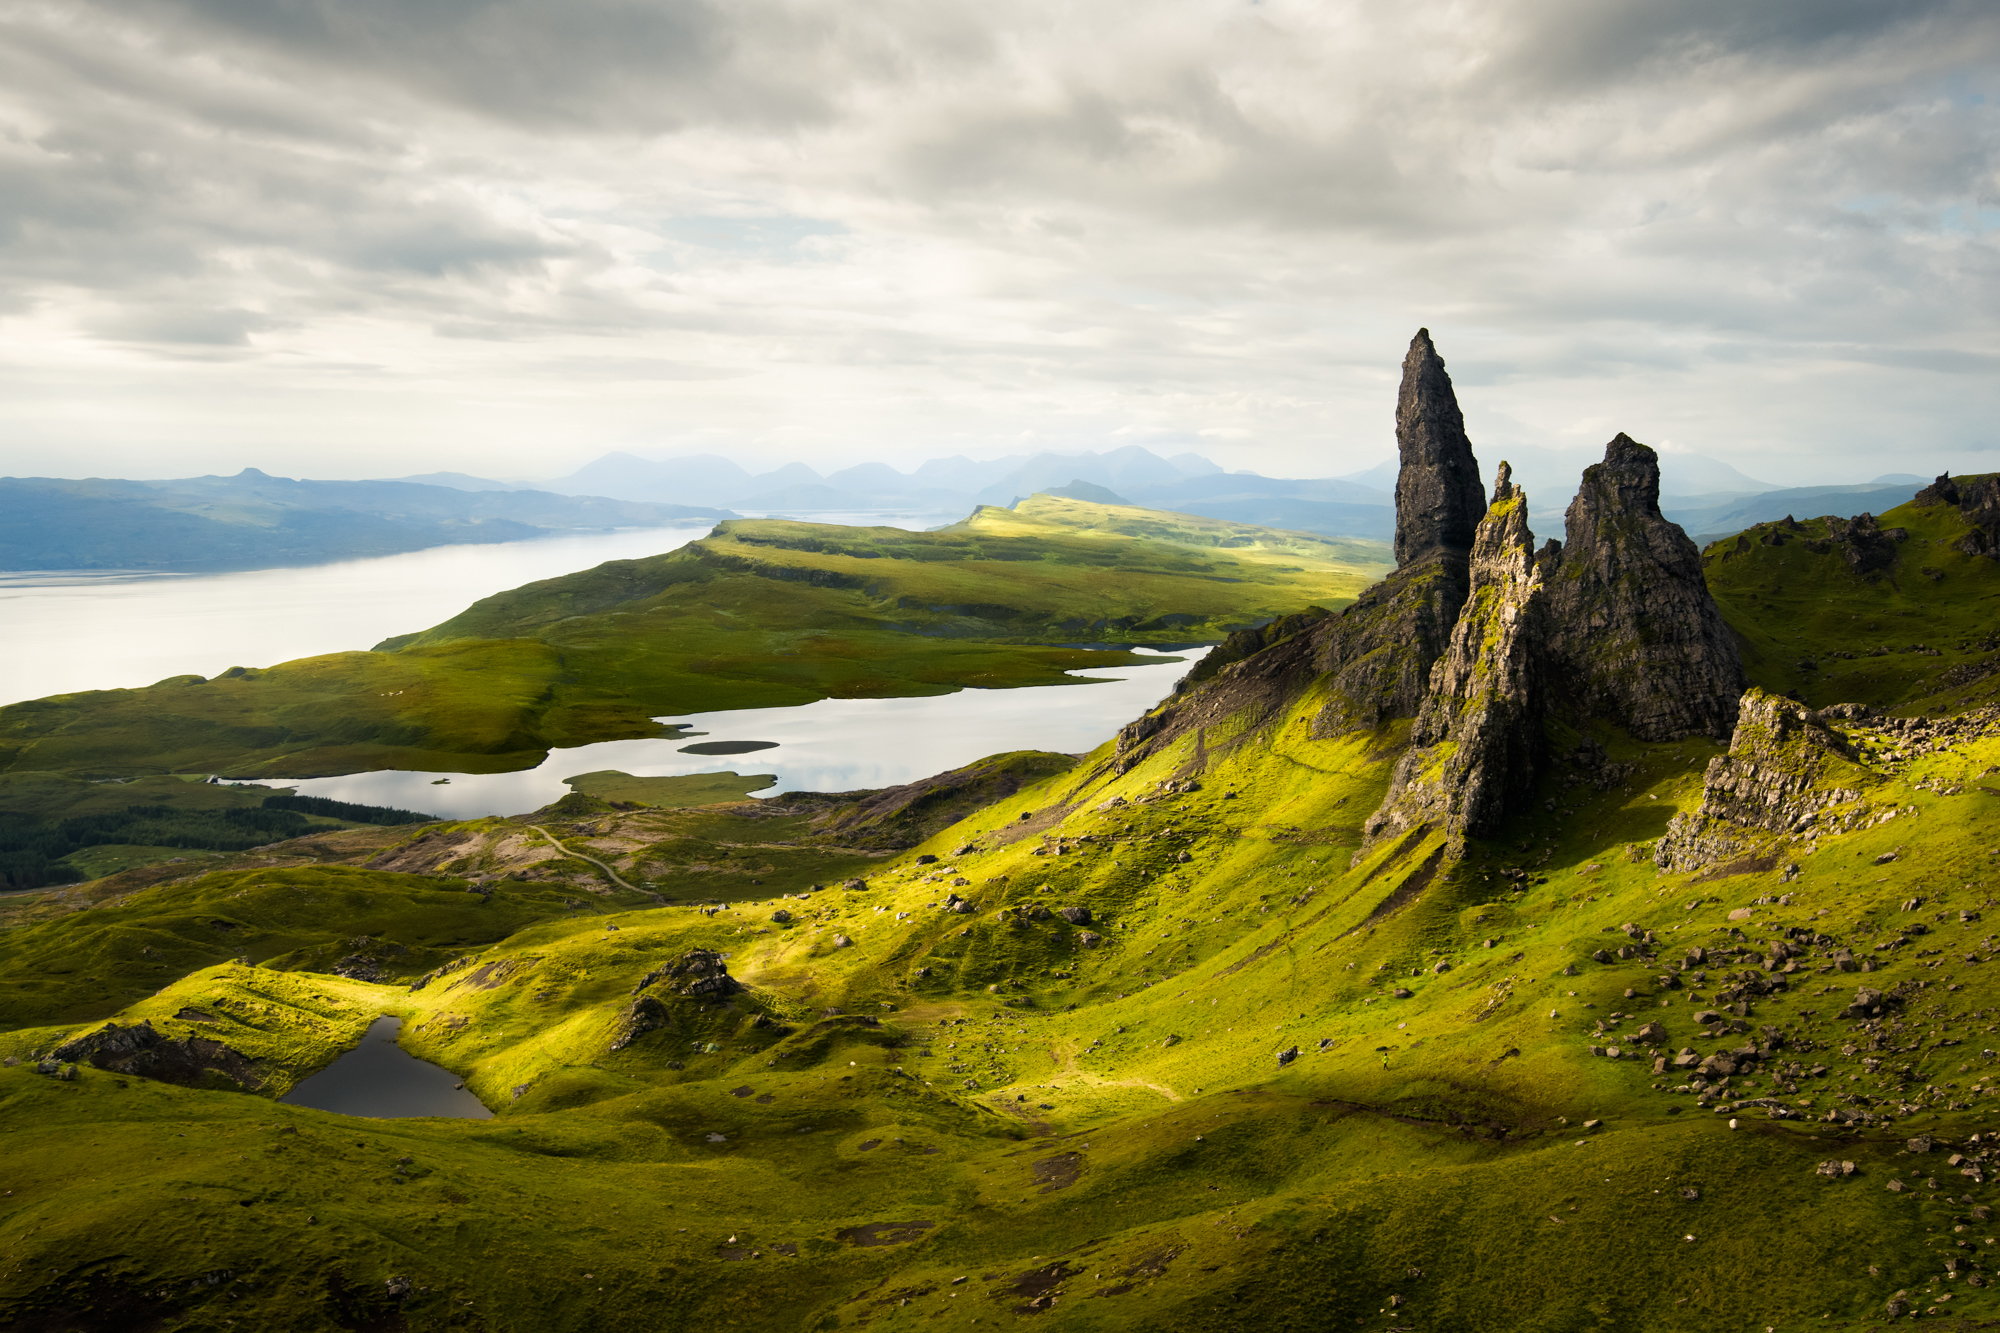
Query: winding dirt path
614, 876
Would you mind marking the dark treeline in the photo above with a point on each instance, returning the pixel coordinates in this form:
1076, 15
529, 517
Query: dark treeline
32, 849
353, 814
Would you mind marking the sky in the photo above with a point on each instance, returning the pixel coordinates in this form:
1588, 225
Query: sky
352, 238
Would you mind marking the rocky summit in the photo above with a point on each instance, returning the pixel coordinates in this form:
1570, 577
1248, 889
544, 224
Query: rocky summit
1439, 500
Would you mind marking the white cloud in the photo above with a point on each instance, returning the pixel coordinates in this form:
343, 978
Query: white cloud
360, 237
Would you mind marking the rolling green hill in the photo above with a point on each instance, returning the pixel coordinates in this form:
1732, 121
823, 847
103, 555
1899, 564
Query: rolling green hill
759, 614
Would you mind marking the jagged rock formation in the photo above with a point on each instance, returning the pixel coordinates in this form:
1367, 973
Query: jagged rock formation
1439, 501
142, 1052
1631, 619
1476, 744
1786, 770
1978, 499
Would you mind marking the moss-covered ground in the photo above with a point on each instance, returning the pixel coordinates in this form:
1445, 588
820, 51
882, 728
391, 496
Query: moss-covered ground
919, 1118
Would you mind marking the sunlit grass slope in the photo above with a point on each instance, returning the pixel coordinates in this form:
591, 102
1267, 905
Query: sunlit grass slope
1088, 1121
759, 614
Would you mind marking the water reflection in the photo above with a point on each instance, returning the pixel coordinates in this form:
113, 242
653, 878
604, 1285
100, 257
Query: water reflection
381, 1080
832, 745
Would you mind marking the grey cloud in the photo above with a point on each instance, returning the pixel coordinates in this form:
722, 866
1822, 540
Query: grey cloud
1007, 218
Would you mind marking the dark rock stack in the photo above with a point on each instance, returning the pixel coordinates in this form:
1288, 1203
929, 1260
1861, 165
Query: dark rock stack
1641, 641
1784, 772
1475, 747
1478, 638
1439, 501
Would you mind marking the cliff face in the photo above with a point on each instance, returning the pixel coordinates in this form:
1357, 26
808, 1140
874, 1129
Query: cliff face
1786, 774
1439, 501
1641, 641
1476, 744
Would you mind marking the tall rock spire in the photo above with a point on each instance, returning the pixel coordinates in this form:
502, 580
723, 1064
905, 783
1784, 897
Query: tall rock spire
1641, 641
1439, 501
1476, 745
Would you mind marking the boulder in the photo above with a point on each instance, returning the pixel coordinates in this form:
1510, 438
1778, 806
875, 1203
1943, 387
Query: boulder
1076, 916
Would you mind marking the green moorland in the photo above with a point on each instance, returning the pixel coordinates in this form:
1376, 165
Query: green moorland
918, 1118
758, 614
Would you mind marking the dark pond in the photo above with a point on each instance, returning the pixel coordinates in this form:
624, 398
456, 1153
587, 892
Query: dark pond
380, 1079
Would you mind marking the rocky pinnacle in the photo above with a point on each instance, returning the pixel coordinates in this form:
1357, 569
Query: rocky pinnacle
1476, 744
1640, 639
1439, 501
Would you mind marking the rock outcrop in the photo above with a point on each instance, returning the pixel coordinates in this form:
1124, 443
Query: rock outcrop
1439, 501
1640, 639
141, 1051
1476, 744
1786, 774
1978, 500
700, 974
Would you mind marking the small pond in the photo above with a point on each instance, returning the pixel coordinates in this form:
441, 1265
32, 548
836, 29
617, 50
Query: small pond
381, 1080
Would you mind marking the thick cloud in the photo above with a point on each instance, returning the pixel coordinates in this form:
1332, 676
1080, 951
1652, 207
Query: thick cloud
348, 236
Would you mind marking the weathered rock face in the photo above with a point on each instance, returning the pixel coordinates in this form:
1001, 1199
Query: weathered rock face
1785, 770
1631, 620
1439, 501
142, 1052
1475, 747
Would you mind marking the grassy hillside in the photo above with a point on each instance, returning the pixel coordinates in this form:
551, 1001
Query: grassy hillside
1917, 631
761, 614
954, 1120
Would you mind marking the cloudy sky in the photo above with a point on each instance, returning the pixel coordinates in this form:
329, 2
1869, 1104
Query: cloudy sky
375, 237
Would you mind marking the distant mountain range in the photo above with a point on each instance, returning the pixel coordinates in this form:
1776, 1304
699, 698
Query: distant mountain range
1706, 496
254, 521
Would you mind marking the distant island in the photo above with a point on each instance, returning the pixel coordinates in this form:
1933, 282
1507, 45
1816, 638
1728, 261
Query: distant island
255, 521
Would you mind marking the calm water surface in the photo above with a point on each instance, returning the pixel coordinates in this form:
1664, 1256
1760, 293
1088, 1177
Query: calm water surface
832, 745
380, 1079
71, 632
